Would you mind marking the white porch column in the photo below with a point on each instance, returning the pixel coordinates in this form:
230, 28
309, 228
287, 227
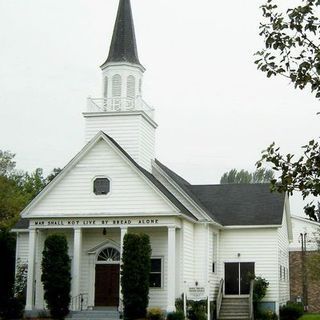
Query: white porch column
123, 232
171, 272
31, 263
76, 262
91, 280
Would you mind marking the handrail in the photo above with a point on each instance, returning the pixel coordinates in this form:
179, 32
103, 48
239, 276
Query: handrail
118, 104
219, 297
79, 302
251, 314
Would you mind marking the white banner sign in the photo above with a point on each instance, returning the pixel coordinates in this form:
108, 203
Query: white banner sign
197, 293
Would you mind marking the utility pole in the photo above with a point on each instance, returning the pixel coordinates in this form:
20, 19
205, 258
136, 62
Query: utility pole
304, 270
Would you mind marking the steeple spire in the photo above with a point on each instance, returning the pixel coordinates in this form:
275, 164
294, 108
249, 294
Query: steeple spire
123, 46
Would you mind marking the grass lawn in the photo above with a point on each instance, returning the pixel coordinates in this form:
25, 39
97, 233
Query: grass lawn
314, 316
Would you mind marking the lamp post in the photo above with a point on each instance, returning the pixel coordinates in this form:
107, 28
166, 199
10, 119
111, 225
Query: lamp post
303, 237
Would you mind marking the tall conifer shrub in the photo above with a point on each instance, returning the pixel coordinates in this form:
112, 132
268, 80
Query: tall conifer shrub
56, 275
135, 272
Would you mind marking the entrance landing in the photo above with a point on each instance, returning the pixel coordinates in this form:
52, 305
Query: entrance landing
99, 313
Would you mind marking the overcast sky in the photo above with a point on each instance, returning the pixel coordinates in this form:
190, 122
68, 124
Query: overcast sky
214, 109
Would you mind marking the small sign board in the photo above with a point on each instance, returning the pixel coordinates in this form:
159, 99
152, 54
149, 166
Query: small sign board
197, 293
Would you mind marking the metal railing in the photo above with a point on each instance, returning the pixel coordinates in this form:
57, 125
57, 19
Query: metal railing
119, 105
251, 314
79, 302
219, 297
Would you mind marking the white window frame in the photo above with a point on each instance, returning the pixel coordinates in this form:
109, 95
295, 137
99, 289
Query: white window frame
162, 272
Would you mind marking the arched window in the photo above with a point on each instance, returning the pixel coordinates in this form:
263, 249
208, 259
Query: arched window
105, 87
116, 85
109, 255
131, 87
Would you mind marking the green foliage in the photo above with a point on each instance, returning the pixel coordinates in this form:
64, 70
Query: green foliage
266, 315
178, 315
56, 277
291, 311
155, 314
259, 289
18, 188
7, 266
292, 43
135, 270
259, 176
302, 174
197, 310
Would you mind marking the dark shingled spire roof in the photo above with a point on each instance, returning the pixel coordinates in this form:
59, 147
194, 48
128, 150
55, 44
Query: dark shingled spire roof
123, 46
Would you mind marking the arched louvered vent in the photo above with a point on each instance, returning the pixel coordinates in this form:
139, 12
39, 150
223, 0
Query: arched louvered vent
140, 87
109, 255
105, 87
131, 87
116, 85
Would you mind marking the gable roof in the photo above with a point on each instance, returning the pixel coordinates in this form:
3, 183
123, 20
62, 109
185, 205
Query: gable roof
145, 174
153, 180
234, 204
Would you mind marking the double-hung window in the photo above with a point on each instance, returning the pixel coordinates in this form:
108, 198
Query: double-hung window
155, 278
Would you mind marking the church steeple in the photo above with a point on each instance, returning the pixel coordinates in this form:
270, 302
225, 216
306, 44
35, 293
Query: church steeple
123, 46
121, 112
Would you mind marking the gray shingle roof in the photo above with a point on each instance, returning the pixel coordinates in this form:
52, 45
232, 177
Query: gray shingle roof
22, 224
123, 46
242, 204
234, 204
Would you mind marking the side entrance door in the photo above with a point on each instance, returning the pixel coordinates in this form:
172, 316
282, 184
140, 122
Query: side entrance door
107, 285
237, 276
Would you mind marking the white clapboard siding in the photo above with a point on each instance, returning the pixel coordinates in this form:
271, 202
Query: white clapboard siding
200, 253
22, 247
187, 252
284, 289
133, 133
214, 277
254, 245
73, 195
159, 246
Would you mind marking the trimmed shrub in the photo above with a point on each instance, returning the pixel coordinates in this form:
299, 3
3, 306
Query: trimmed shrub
135, 270
178, 315
155, 314
266, 315
291, 311
56, 275
197, 310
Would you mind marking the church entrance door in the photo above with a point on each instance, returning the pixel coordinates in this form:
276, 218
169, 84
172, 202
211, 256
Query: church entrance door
107, 278
237, 277
107, 285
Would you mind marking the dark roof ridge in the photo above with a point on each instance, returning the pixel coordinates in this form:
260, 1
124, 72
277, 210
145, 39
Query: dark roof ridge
153, 180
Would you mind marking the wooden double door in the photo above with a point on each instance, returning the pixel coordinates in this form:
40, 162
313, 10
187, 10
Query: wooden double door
237, 276
107, 285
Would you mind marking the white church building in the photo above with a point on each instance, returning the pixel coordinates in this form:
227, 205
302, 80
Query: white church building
210, 236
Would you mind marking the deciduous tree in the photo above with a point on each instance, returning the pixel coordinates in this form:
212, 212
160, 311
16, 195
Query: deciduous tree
292, 43
259, 176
